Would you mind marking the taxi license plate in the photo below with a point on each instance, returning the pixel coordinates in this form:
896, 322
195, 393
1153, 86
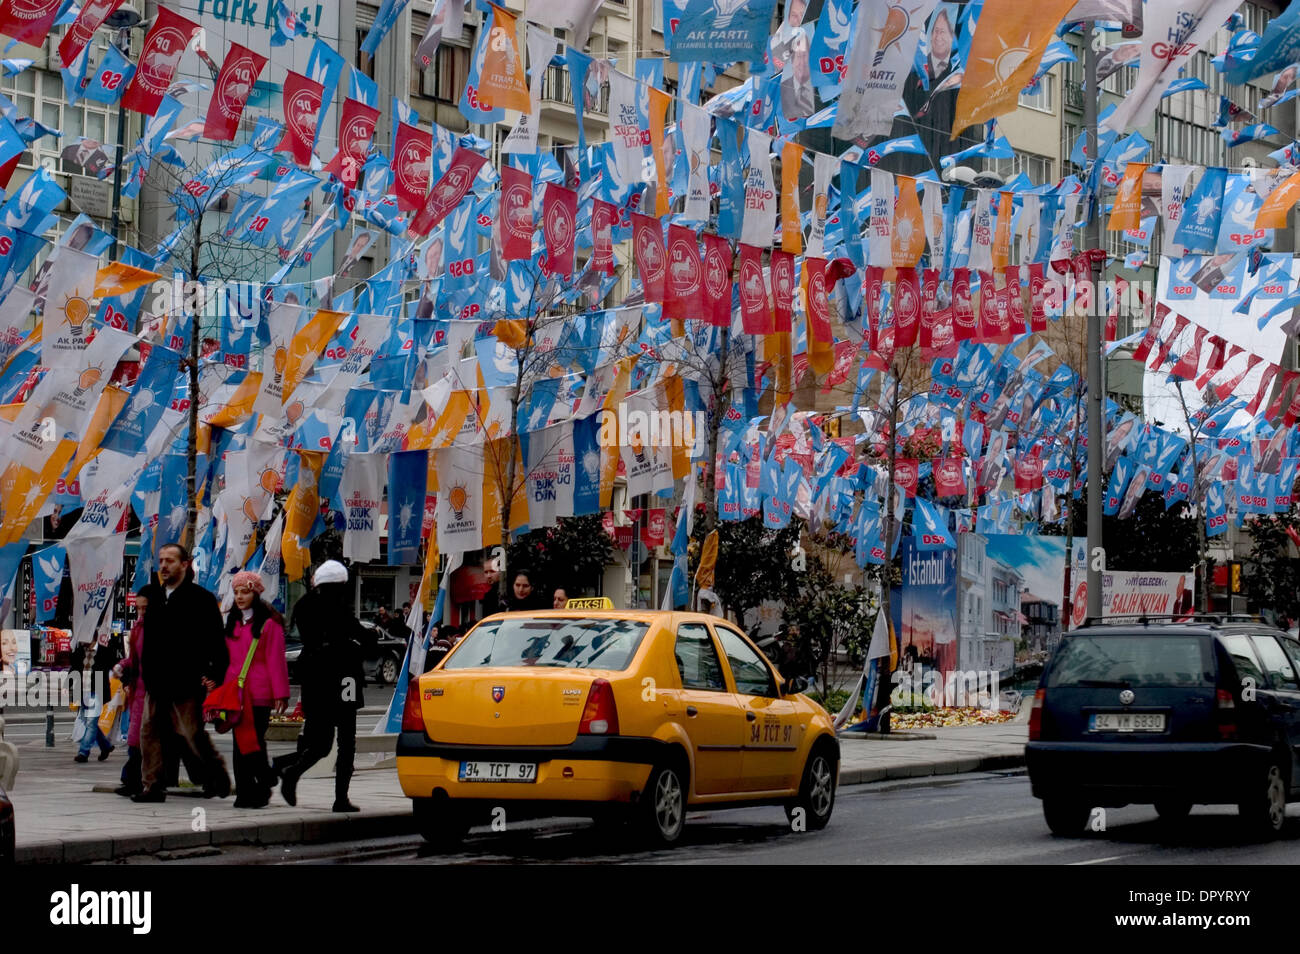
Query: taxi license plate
1127, 722
498, 771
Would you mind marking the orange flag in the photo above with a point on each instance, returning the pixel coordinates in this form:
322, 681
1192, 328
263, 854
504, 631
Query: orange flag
907, 238
708, 561
1002, 233
501, 81
23, 491
110, 404
791, 226
240, 406
676, 401
1272, 214
1126, 213
1006, 49
496, 464
659, 101
118, 278
307, 345
300, 513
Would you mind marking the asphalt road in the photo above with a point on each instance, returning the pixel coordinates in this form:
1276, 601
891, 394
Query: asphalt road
976, 819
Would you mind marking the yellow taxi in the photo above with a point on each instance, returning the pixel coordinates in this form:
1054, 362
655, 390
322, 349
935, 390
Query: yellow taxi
610, 714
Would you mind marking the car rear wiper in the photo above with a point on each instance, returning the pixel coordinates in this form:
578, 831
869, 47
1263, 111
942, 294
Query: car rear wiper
1104, 683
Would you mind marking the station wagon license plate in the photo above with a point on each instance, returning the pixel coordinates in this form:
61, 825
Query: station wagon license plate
1126, 722
498, 771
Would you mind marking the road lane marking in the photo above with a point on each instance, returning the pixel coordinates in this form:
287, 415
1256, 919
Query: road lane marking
1098, 861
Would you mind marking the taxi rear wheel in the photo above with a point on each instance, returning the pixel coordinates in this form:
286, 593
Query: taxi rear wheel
816, 798
663, 805
440, 823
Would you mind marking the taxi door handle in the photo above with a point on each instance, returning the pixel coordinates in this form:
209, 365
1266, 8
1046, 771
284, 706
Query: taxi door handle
692, 711
749, 715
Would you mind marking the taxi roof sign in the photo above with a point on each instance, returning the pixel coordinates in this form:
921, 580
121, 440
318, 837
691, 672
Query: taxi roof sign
590, 602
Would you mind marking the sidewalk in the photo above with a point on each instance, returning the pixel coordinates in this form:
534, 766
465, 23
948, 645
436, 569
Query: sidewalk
66, 812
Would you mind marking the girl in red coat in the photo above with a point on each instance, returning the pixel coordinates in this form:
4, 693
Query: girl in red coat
266, 686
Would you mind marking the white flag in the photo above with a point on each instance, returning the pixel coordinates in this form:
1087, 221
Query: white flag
981, 232
282, 322
879, 63
542, 46
460, 499
932, 214
1170, 36
94, 566
575, 15
824, 168
881, 223
1173, 198
269, 571
362, 489
68, 311
695, 137
760, 192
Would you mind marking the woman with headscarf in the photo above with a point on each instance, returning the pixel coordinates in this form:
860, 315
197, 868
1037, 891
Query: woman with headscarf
265, 678
334, 645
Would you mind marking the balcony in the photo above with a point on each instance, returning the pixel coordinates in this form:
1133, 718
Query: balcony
1074, 95
557, 90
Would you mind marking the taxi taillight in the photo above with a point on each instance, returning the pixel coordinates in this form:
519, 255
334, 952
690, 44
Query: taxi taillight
600, 716
1036, 716
412, 714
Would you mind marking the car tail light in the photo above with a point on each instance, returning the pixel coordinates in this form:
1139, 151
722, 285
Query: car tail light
1036, 716
1226, 709
412, 713
600, 717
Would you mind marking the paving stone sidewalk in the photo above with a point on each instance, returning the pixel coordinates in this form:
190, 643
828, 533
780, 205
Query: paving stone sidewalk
66, 812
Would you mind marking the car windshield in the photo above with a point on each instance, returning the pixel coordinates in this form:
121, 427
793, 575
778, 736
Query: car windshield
573, 643
1131, 660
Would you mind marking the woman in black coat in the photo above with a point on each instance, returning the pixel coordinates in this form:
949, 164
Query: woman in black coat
334, 647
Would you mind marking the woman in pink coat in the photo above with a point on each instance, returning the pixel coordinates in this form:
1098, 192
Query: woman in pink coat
266, 686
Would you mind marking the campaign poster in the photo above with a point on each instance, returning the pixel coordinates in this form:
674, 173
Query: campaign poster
924, 608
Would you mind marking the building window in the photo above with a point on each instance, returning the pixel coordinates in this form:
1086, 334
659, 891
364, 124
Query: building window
1041, 98
365, 64
657, 16
445, 78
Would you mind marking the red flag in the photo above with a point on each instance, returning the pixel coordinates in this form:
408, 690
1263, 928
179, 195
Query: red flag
819, 312
1221, 391
238, 74
1180, 323
559, 228
873, 295
1037, 298
1015, 301
356, 127
1029, 473
1191, 359
783, 290
82, 31
944, 335
516, 214
963, 315
685, 275
1214, 364
1152, 337
755, 309
718, 261
412, 154
302, 102
28, 21
929, 308
652, 532
1267, 379
989, 328
603, 217
907, 307
905, 474
166, 43
949, 477
448, 191
651, 256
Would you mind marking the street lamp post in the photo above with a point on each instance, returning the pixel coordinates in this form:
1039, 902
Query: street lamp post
122, 21
1096, 387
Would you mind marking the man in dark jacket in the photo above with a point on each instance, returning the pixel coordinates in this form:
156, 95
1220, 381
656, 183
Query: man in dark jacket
187, 656
334, 644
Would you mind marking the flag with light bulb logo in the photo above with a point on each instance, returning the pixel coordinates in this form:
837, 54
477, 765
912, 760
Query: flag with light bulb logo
301, 510
66, 320
877, 66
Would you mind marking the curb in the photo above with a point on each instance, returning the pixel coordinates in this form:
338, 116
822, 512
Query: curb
952, 766
388, 824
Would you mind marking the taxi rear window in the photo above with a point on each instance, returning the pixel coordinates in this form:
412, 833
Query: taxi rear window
567, 643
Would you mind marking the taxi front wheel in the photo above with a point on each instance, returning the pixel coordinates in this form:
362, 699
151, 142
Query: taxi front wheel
816, 792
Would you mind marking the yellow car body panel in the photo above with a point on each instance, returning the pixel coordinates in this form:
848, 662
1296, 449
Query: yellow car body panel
738, 745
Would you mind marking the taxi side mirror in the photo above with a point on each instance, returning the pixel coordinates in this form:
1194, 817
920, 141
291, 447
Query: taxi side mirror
796, 685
